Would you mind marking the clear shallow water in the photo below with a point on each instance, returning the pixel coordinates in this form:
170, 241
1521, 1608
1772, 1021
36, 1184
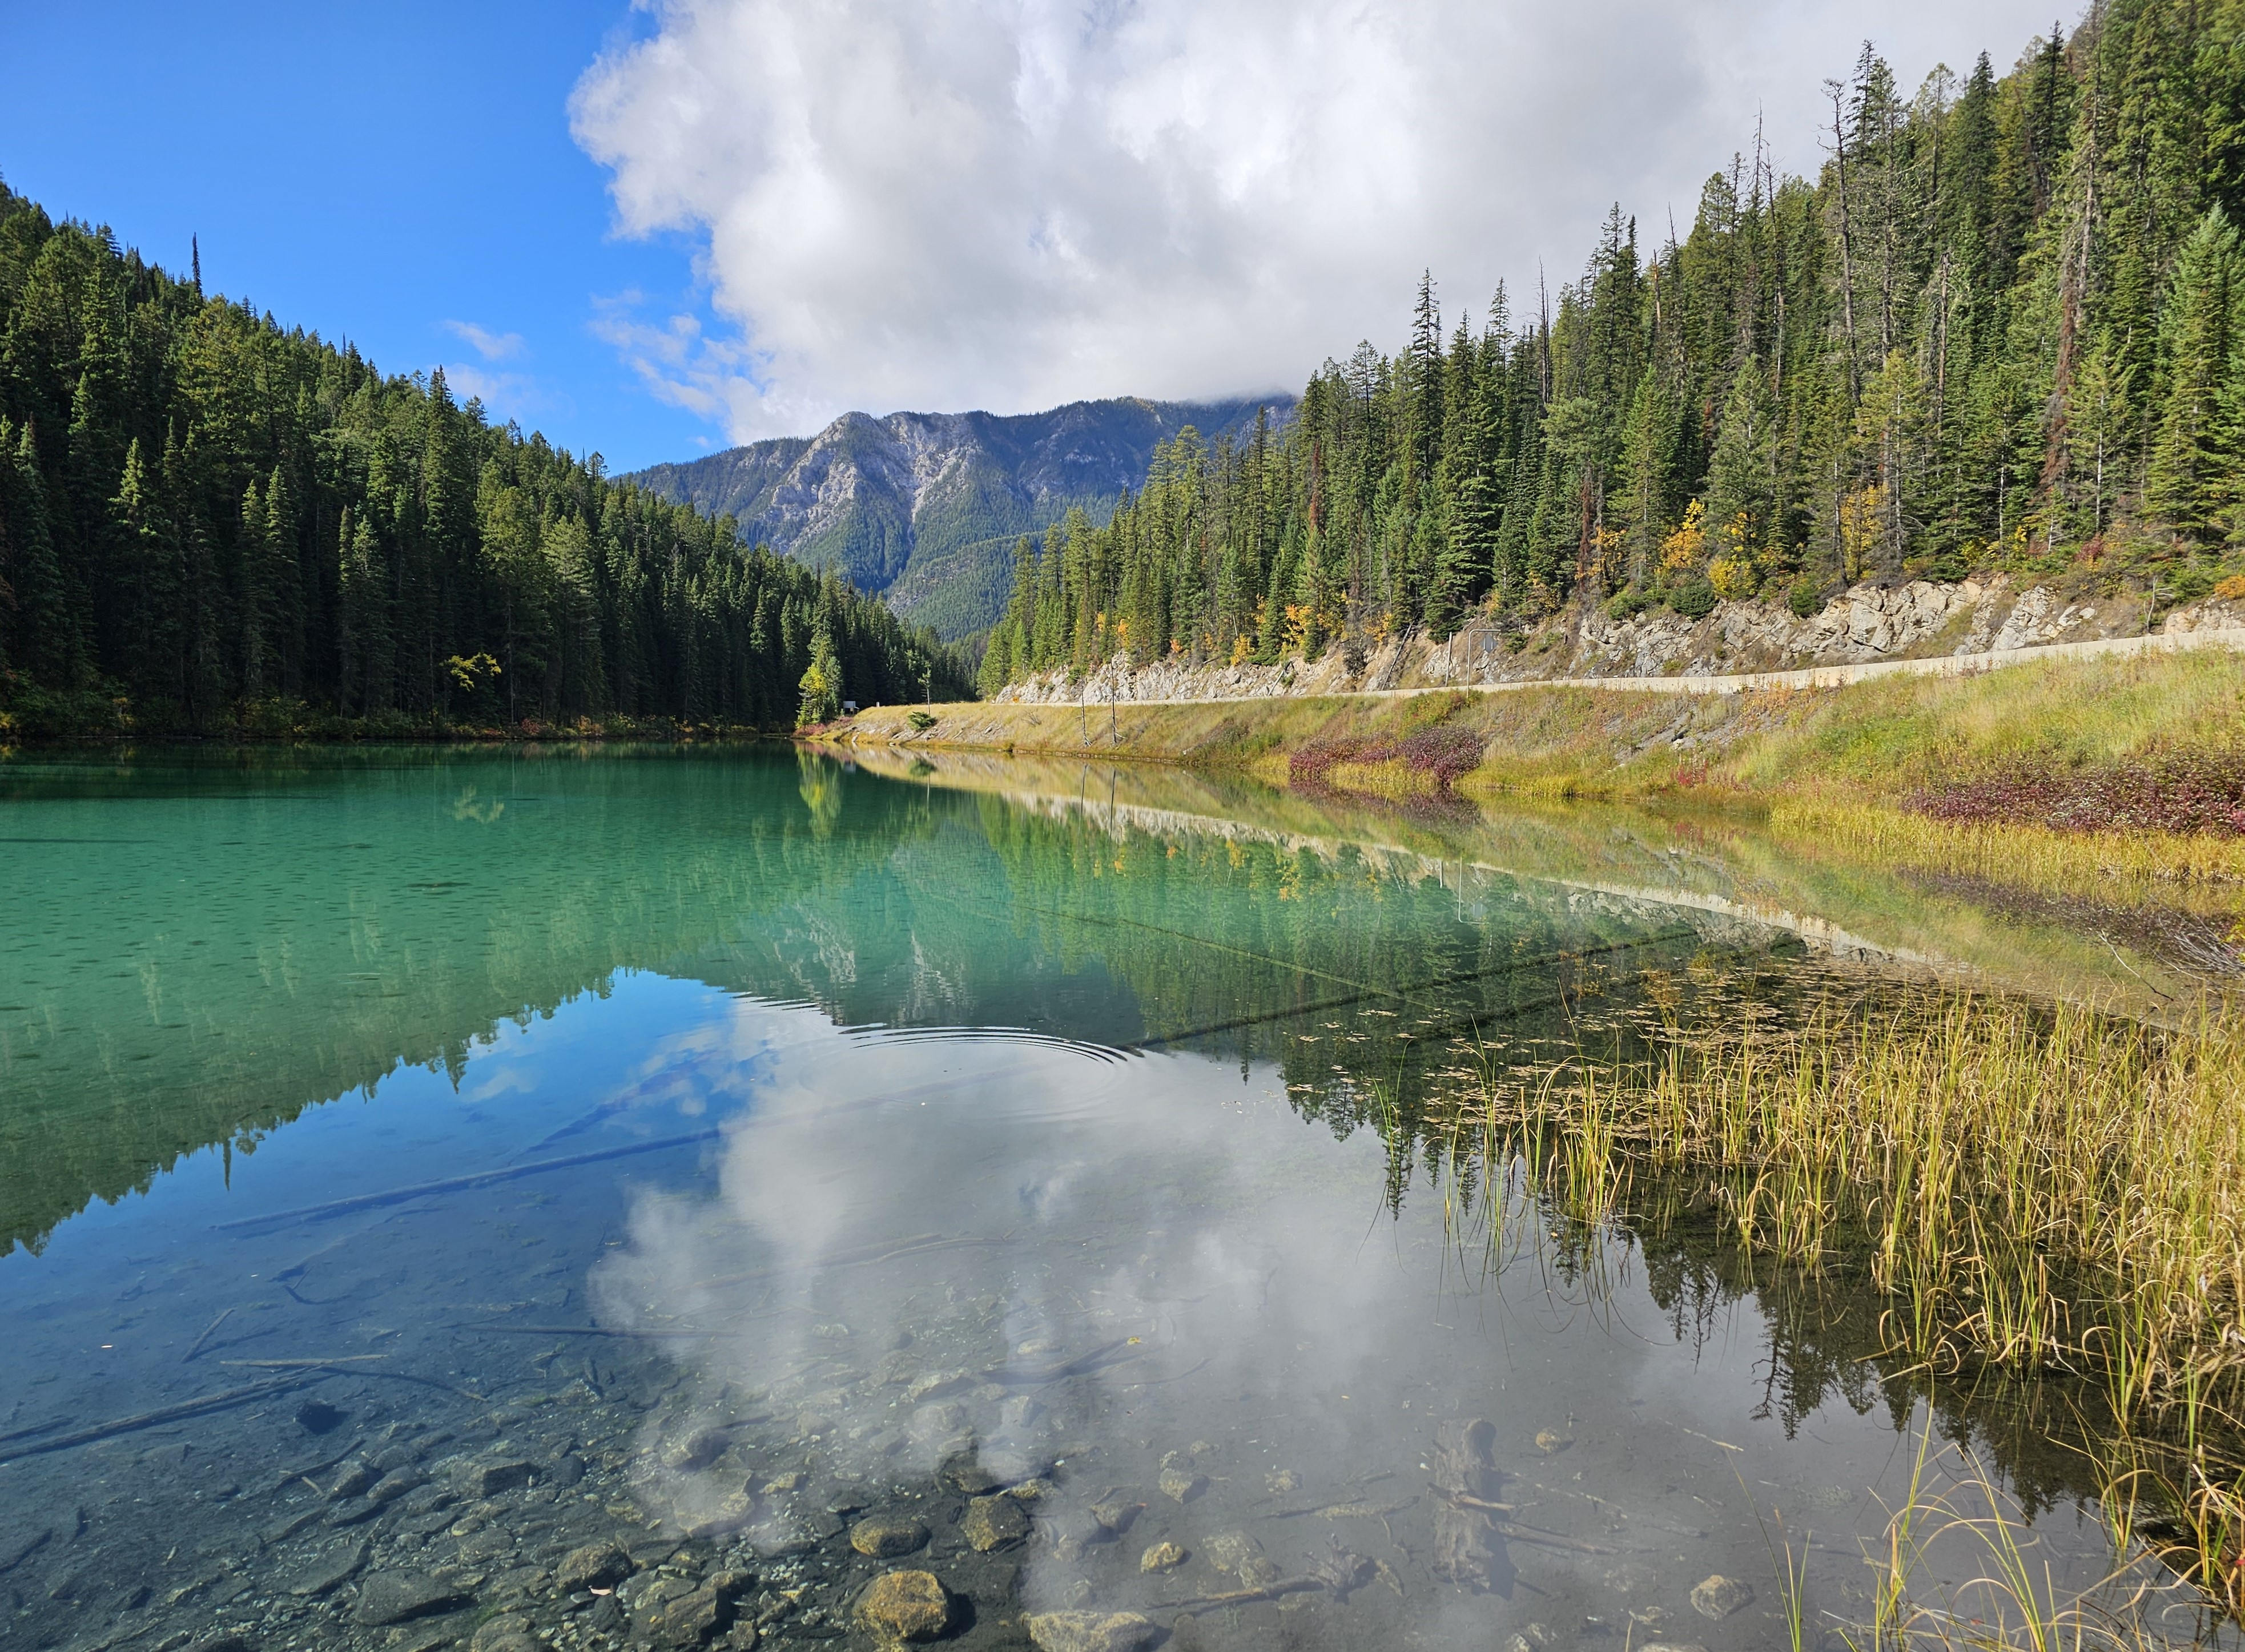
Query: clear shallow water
710, 1154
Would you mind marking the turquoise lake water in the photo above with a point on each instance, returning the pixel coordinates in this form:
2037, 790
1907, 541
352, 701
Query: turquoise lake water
583, 1198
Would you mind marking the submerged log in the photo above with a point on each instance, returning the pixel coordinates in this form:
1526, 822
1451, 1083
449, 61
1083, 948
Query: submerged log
1468, 1550
460, 1184
219, 1401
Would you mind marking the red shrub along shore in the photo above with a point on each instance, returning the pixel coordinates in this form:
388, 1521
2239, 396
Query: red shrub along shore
1441, 752
2201, 792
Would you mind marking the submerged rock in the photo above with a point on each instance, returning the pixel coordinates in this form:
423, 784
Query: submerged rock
596, 1566
1237, 1552
1182, 1485
398, 1597
966, 1471
1115, 1517
1163, 1557
884, 1538
491, 1479
329, 1573
906, 1606
1090, 1631
1718, 1596
701, 1615
992, 1522
509, 1632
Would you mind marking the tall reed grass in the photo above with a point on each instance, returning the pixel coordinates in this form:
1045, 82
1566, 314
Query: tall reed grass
2043, 1189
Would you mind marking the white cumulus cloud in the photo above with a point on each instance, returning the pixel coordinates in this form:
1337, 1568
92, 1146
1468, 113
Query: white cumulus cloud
944, 204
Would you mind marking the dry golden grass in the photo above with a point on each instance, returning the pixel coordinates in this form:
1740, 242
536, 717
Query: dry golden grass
2034, 1188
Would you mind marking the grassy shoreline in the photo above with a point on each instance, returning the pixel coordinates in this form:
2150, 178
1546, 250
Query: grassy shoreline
1813, 764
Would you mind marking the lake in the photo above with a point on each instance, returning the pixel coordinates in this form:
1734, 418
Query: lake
681, 1196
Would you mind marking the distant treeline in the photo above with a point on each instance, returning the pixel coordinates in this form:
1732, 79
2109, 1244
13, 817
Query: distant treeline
2004, 327
208, 524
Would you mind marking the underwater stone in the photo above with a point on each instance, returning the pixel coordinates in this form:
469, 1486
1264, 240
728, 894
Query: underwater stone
509, 1632
992, 1522
330, 1572
595, 1566
1115, 1516
1229, 1551
965, 1471
882, 1539
938, 1386
701, 1615
353, 1482
1181, 1485
398, 1597
906, 1606
1163, 1557
353, 1511
1090, 1631
1718, 1596
490, 1480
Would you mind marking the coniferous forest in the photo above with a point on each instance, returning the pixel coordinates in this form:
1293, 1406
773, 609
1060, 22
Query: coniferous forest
212, 524
2003, 328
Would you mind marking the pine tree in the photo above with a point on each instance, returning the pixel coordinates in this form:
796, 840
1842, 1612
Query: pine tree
2182, 481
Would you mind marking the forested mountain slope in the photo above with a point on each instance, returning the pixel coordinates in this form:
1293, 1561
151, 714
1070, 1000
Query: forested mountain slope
210, 524
2003, 330
926, 506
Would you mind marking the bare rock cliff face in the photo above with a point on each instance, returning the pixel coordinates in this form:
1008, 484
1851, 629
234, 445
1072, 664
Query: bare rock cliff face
1914, 621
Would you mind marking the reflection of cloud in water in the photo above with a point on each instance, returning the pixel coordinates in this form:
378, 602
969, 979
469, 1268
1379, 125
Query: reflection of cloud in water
1195, 1309
1126, 1266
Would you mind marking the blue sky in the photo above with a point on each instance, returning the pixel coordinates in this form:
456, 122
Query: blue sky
938, 204
392, 173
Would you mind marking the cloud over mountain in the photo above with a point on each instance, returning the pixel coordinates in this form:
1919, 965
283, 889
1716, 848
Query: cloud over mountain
1014, 203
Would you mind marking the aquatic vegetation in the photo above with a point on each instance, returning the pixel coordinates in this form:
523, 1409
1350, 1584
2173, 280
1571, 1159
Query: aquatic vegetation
2043, 1190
